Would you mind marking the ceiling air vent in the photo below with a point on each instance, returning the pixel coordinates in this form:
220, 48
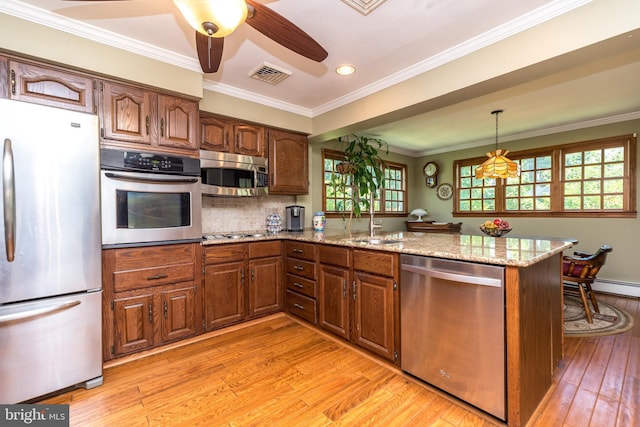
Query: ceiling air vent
270, 73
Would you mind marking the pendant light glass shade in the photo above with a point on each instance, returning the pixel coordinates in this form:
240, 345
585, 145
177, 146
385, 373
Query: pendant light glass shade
498, 165
225, 15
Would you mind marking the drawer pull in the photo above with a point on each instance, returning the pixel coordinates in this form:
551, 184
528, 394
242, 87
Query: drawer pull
298, 306
297, 267
298, 285
298, 251
157, 277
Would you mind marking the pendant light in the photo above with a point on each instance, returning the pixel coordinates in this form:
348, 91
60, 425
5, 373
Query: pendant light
498, 165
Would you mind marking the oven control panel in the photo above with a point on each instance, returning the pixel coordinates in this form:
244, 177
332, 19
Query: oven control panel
148, 162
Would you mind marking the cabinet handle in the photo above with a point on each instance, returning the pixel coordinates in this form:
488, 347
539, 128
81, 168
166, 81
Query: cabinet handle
344, 288
13, 82
242, 276
166, 310
252, 275
298, 251
297, 267
298, 285
157, 277
150, 313
147, 124
162, 127
355, 293
298, 306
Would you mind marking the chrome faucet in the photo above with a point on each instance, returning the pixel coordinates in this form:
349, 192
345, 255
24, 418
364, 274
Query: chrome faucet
372, 224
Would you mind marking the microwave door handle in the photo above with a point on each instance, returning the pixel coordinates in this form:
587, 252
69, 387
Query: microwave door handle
152, 180
9, 200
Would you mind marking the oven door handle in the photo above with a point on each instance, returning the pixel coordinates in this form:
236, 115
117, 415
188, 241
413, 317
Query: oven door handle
152, 180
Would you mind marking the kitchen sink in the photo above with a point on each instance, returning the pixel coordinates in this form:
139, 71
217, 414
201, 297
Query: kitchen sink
376, 241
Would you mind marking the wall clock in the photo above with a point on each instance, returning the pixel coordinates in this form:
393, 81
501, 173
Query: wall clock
444, 191
430, 170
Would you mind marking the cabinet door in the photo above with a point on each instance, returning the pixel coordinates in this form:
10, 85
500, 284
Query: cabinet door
224, 294
178, 122
265, 288
374, 314
288, 163
133, 323
127, 113
334, 300
214, 134
178, 313
48, 86
249, 139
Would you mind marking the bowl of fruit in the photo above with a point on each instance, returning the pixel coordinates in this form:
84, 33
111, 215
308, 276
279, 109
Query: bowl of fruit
496, 228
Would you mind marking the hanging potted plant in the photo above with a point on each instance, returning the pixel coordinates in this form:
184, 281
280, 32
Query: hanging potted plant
363, 170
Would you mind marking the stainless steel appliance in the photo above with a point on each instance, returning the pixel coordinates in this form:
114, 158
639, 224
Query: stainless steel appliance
233, 175
294, 218
453, 334
149, 199
50, 268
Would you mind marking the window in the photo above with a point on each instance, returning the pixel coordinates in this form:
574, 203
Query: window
579, 180
392, 200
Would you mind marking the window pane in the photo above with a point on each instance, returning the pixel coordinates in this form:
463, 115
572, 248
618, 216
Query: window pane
615, 154
591, 172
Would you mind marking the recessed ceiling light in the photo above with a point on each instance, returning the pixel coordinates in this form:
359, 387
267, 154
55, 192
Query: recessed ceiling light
345, 69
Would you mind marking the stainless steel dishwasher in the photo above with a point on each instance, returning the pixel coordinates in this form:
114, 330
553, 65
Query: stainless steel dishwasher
453, 335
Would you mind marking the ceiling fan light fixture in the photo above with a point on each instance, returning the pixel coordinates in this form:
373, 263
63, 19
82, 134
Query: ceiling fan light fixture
498, 165
225, 15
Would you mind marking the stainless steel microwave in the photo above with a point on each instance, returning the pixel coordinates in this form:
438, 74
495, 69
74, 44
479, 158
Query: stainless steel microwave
233, 175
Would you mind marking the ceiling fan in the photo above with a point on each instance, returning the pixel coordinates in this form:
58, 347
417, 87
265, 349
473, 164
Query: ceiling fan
215, 19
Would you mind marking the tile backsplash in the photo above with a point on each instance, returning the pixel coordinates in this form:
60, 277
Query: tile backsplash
230, 214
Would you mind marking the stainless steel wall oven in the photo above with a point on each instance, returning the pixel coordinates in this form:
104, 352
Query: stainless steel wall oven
149, 198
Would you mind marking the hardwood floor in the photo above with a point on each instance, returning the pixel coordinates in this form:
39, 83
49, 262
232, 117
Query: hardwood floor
279, 372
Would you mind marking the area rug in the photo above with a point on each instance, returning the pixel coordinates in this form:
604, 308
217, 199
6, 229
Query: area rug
611, 320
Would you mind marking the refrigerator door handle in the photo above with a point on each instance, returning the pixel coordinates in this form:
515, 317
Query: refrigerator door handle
9, 200
40, 311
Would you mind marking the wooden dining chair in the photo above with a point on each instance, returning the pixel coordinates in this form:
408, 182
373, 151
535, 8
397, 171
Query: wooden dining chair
579, 272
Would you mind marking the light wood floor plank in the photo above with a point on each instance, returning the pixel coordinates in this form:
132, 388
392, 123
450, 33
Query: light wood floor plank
279, 372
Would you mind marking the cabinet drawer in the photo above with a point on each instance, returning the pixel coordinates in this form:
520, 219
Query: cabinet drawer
224, 253
334, 255
301, 268
264, 249
381, 263
144, 278
301, 285
301, 306
301, 250
130, 259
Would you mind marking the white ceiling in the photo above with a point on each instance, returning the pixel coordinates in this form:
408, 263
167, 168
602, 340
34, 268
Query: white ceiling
395, 41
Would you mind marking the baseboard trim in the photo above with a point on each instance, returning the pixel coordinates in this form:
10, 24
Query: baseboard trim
629, 289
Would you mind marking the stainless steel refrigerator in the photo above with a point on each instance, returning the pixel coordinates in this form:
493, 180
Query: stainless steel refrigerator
50, 264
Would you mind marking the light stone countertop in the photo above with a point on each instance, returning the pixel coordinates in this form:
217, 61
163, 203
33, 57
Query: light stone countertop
513, 251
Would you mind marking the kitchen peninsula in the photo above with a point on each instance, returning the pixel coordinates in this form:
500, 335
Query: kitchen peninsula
532, 292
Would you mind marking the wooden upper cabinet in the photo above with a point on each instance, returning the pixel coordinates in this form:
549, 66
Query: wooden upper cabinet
214, 134
127, 114
249, 139
178, 122
131, 116
50, 86
288, 163
232, 136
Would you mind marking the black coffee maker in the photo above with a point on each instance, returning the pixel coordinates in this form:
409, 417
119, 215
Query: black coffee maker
294, 220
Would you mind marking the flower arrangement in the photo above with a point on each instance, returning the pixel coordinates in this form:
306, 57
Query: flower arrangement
496, 228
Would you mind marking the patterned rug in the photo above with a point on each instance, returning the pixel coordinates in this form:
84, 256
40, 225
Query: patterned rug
611, 320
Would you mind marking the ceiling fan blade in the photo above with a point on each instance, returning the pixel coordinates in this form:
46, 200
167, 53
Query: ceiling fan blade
284, 32
209, 52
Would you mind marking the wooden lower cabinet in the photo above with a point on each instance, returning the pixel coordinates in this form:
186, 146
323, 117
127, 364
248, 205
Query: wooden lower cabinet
241, 281
151, 297
357, 298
